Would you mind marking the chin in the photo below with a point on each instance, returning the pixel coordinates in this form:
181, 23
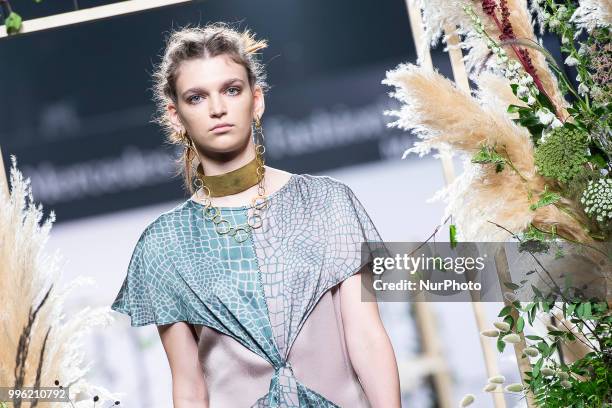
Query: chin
226, 146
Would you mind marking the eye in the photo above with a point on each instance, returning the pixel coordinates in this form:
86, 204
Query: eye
233, 90
194, 99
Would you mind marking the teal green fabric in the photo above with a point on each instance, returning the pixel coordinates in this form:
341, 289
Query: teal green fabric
310, 241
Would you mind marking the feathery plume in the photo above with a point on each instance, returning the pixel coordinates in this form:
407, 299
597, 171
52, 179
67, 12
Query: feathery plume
439, 16
592, 14
480, 194
39, 347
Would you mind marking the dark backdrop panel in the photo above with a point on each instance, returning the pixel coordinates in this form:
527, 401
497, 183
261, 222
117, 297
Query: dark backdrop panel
75, 106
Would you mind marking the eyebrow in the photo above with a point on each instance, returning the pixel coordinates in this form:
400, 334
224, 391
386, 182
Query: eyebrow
226, 83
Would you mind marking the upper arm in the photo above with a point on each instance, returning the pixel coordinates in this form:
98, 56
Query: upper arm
361, 319
180, 343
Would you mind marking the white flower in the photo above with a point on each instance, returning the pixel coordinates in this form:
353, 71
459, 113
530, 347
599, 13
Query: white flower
564, 40
522, 91
526, 80
530, 100
553, 22
545, 116
467, 400
583, 89
571, 61
556, 123
502, 59
514, 65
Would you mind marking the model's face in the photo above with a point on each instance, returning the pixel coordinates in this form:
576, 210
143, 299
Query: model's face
215, 104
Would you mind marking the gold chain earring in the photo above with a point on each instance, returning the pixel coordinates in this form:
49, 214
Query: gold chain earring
188, 142
260, 149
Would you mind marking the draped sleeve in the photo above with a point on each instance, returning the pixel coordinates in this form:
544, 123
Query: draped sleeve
146, 294
353, 238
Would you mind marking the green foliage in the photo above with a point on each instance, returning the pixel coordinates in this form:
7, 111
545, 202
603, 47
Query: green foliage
528, 119
585, 382
12, 23
534, 241
562, 153
452, 230
488, 155
546, 198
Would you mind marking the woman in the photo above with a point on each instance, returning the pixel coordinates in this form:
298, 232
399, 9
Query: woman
253, 282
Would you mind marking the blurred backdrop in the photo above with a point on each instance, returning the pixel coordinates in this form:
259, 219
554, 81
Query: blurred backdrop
75, 110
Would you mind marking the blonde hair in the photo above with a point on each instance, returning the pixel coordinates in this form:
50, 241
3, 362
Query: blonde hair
189, 43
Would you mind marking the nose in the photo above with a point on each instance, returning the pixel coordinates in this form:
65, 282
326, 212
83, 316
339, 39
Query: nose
216, 107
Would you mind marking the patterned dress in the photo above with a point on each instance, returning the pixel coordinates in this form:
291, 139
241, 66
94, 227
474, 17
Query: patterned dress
267, 310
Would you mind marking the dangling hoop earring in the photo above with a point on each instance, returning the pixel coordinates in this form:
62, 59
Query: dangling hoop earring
188, 142
197, 182
260, 202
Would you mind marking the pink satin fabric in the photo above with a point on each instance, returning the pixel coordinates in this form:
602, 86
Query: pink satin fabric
237, 377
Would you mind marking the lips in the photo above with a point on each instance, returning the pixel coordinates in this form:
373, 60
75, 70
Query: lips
221, 127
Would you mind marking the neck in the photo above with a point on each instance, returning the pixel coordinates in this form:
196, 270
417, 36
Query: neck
221, 163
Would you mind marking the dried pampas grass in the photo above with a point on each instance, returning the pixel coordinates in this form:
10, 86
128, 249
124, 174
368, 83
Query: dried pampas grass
438, 15
593, 13
494, 91
38, 346
445, 117
523, 24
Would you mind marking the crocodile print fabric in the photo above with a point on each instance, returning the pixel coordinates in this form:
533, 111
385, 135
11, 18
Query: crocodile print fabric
259, 292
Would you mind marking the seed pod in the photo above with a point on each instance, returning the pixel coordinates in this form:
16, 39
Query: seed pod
503, 326
490, 333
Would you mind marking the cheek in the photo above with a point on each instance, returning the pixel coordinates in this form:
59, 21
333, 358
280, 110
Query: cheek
244, 103
194, 115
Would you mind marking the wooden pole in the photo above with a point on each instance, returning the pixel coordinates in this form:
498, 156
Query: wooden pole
503, 273
90, 14
501, 261
489, 353
461, 79
425, 318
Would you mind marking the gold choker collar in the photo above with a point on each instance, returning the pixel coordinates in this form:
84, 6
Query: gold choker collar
232, 182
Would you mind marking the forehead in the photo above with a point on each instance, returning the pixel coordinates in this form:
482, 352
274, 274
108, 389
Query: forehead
208, 72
